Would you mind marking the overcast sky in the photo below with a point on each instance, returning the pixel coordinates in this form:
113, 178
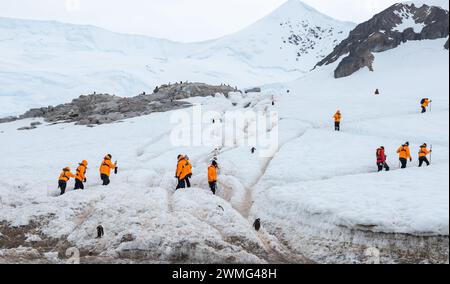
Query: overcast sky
180, 20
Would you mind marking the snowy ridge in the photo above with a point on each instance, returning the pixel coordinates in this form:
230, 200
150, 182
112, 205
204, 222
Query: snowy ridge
438, 3
51, 63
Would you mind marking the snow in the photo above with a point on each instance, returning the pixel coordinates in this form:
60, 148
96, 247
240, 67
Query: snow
318, 188
408, 21
48, 63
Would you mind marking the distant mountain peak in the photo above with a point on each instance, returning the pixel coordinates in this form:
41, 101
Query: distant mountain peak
397, 24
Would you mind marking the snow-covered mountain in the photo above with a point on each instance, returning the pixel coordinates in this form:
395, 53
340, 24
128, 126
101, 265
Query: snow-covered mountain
398, 24
46, 63
293, 39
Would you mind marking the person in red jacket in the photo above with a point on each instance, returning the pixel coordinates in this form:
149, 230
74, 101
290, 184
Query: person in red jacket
381, 159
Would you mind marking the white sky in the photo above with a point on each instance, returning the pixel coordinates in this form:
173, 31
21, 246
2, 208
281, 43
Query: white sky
180, 20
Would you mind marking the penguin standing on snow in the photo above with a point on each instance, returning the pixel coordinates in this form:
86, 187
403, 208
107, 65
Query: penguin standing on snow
257, 224
100, 232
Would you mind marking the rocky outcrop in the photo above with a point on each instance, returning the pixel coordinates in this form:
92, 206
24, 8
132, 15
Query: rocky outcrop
253, 90
446, 45
387, 30
103, 108
353, 63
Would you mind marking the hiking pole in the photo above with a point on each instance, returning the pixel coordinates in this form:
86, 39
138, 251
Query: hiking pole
431, 153
115, 169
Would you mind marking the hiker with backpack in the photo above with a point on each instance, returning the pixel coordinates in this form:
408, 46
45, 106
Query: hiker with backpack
64, 177
337, 120
182, 171
105, 169
404, 154
425, 103
381, 160
423, 153
212, 176
80, 176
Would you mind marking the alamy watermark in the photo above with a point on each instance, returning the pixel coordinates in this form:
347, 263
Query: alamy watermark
255, 129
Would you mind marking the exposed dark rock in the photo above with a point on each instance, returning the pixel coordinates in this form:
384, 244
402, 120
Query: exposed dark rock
446, 45
127, 238
353, 63
382, 33
253, 90
8, 119
103, 108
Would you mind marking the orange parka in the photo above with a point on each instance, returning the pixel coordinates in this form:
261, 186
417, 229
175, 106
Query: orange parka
184, 168
337, 117
212, 174
66, 175
424, 151
404, 152
81, 171
107, 166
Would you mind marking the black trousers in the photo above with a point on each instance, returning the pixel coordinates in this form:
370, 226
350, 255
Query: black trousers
403, 163
423, 160
181, 184
78, 184
213, 187
62, 185
187, 181
424, 109
337, 126
383, 165
105, 179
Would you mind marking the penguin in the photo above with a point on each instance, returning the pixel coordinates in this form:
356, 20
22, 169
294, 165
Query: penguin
100, 232
257, 224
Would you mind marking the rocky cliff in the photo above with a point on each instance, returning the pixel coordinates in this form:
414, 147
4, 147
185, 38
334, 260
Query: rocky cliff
387, 30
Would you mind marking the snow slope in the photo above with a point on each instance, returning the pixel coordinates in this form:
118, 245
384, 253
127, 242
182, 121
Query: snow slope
47, 63
319, 197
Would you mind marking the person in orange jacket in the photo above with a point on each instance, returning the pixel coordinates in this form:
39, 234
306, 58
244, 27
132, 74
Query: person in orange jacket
80, 175
212, 176
64, 177
404, 154
423, 153
425, 103
105, 169
182, 171
337, 120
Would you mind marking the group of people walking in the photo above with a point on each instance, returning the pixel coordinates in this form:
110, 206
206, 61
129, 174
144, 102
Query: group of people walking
404, 154
183, 173
80, 176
